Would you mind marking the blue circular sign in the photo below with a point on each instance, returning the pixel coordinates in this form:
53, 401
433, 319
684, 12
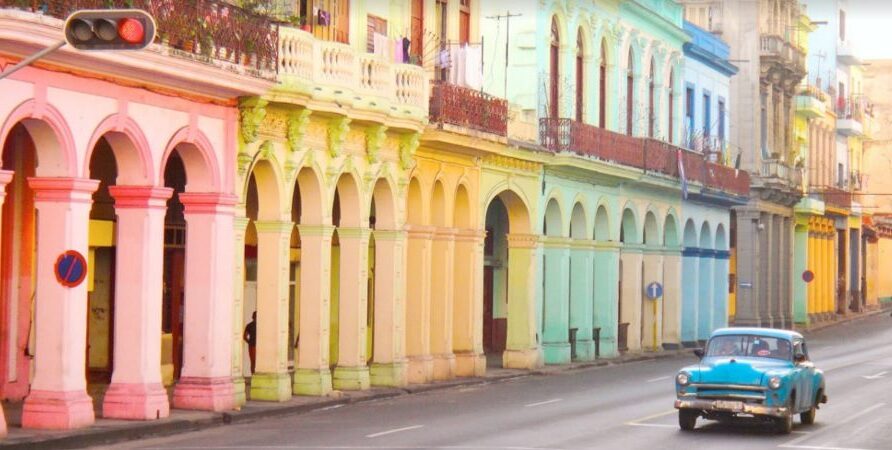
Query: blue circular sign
71, 268
654, 290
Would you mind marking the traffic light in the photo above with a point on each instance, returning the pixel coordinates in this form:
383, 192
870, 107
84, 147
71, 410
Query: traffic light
110, 29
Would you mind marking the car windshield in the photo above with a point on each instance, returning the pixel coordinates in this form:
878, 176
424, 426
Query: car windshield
750, 346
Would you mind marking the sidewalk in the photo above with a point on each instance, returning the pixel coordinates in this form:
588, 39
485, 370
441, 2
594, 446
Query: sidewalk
851, 317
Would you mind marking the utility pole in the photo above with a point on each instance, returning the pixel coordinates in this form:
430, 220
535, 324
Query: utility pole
507, 16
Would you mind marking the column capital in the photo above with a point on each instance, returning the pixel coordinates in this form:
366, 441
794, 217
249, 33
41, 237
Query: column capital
5, 177
208, 202
607, 246
444, 234
707, 253
469, 234
420, 231
651, 250
583, 244
691, 251
63, 190
556, 242
522, 240
389, 235
315, 230
673, 250
274, 226
140, 197
632, 248
240, 223
722, 254
354, 232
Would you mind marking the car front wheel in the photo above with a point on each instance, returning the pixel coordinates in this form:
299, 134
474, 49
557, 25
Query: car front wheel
687, 419
784, 424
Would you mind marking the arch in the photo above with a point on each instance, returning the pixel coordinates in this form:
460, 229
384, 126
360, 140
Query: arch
266, 179
385, 206
51, 135
518, 212
705, 236
670, 230
721, 242
414, 203
553, 223
197, 153
690, 234
462, 211
133, 157
651, 230
602, 224
578, 225
438, 205
350, 200
309, 183
629, 227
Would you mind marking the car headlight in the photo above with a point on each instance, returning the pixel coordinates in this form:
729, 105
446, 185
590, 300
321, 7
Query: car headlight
774, 383
683, 379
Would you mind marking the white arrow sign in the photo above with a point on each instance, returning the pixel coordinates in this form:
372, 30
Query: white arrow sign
874, 376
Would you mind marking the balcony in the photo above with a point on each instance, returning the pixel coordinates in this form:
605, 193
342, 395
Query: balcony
849, 116
649, 155
208, 30
845, 53
777, 172
783, 56
468, 108
335, 72
811, 102
838, 198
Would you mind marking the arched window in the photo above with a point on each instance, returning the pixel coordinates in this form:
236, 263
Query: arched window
554, 92
580, 76
651, 113
630, 92
671, 105
602, 89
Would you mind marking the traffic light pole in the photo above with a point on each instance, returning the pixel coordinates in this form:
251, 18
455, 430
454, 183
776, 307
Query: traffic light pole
25, 62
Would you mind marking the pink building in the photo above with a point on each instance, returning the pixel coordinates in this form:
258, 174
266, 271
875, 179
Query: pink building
129, 160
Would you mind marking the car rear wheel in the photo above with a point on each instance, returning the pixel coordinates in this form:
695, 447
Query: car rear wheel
687, 419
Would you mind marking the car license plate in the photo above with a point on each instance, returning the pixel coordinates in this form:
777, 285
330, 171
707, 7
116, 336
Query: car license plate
728, 405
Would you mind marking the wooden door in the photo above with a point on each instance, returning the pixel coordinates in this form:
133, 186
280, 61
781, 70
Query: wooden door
487, 310
417, 24
176, 280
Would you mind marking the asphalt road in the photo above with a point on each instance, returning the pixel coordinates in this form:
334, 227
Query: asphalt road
616, 407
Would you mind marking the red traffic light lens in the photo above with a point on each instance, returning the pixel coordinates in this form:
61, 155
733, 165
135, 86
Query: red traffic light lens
131, 30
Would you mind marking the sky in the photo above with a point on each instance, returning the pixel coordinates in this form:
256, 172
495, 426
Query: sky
870, 28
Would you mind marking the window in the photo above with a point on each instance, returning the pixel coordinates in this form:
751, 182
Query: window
602, 106
651, 114
554, 93
580, 77
707, 114
328, 19
840, 176
842, 25
689, 113
722, 121
417, 30
671, 105
375, 25
630, 93
464, 21
763, 125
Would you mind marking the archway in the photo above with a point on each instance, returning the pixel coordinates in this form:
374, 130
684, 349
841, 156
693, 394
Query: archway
651, 305
671, 284
580, 284
441, 287
555, 324
690, 270
630, 270
418, 277
706, 303
467, 324
386, 327
720, 285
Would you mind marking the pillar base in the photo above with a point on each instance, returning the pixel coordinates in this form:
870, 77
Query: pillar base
239, 397
556, 352
608, 348
585, 350
135, 401
393, 374
312, 382
54, 410
270, 387
3, 430
521, 359
421, 369
351, 378
470, 364
204, 393
444, 367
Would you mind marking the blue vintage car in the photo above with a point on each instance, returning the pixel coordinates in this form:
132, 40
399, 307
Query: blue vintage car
757, 373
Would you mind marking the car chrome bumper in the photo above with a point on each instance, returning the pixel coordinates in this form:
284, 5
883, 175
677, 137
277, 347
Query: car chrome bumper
746, 408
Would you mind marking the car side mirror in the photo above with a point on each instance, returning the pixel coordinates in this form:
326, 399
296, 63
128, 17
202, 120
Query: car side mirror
698, 352
799, 358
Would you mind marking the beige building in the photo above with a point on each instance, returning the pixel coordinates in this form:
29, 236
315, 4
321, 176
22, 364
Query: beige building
877, 183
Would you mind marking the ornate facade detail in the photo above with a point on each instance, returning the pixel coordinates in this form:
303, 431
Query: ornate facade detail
513, 164
375, 137
408, 146
252, 112
337, 134
297, 129
266, 150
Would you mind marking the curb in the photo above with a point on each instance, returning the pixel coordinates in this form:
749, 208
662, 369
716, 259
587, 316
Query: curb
844, 320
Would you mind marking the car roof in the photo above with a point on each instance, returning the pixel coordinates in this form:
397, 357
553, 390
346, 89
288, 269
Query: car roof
769, 332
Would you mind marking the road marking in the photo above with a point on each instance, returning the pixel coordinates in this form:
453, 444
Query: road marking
329, 407
656, 425
637, 422
395, 430
874, 376
546, 402
659, 378
818, 447
795, 442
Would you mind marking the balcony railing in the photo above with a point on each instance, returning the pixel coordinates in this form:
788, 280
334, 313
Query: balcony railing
319, 63
650, 155
211, 28
469, 108
837, 197
776, 47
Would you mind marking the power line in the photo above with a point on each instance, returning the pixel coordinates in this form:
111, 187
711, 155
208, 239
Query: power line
507, 16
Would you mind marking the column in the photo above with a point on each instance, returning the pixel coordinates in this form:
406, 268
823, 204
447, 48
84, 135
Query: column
352, 373
720, 295
767, 271
467, 326
582, 304
556, 298
135, 391
206, 377
786, 269
58, 397
5, 178
706, 301
800, 264
672, 294
606, 269
389, 365
690, 303
441, 302
652, 310
240, 225
312, 376
632, 290
812, 265
749, 262
522, 348
418, 304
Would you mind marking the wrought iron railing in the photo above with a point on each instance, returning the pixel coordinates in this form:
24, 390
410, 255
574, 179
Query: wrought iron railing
464, 107
212, 28
837, 197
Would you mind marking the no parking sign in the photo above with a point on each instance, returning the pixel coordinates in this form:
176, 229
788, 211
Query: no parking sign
71, 268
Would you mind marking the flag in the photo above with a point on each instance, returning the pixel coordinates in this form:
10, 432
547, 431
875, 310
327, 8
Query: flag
684, 180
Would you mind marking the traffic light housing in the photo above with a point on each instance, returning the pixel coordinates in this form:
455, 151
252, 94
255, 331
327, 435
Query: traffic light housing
110, 29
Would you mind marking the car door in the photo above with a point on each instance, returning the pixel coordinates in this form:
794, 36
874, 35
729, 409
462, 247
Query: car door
805, 374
